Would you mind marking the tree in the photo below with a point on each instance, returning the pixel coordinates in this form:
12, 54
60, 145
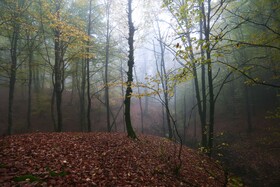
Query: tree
31, 37
260, 22
12, 19
256, 60
88, 67
107, 51
162, 72
130, 63
140, 103
58, 66
201, 17
57, 21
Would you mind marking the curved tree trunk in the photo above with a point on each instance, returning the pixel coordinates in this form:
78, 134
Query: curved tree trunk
130, 63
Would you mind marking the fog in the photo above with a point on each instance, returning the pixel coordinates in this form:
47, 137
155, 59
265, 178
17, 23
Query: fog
204, 73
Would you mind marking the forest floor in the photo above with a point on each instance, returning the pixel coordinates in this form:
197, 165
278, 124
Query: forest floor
102, 159
254, 157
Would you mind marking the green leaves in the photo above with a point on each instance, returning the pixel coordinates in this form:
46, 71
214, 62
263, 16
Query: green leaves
57, 174
28, 177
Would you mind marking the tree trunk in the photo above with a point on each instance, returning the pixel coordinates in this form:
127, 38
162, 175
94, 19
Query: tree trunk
206, 21
107, 98
163, 120
30, 75
53, 111
13, 69
140, 105
58, 87
248, 109
58, 71
130, 63
83, 97
203, 84
88, 70
123, 95
185, 120
164, 82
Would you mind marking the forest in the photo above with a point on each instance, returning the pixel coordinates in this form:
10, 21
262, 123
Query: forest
186, 90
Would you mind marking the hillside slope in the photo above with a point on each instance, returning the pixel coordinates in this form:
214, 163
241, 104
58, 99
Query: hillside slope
101, 159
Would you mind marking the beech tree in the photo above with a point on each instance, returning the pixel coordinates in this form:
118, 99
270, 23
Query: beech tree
130, 63
107, 58
66, 47
201, 18
164, 79
88, 57
12, 18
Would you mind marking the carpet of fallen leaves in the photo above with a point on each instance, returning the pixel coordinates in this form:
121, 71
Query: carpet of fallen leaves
101, 159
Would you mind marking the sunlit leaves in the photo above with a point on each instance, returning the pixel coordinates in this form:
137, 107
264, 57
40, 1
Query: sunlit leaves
72, 30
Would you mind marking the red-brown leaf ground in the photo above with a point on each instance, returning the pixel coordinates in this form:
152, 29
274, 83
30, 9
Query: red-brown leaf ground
101, 159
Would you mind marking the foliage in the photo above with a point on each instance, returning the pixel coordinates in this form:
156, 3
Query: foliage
101, 159
29, 178
274, 114
252, 40
234, 181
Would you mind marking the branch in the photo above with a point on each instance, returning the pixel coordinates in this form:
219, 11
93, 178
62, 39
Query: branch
249, 77
256, 23
253, 45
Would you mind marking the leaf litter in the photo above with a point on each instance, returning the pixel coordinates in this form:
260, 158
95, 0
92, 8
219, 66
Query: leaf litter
101, 159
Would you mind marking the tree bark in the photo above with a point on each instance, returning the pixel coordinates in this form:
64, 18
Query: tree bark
83, 96
248, 109
88, 70
130, 63
30, 75
140, 105
107, 50
58, 71
206, 28
13, 71
164, 82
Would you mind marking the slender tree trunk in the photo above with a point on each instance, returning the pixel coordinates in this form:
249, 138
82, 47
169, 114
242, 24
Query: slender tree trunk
206, 21
57, 89
36, 79
30, 74
248, 109
130, 63
185, 119
53, 111
163, 120
201, 111
83, 97
146, 110
88, 70
107, 98
164, 82
58, 71
89, 100
194, 118
201, 100
203, 86
140, 104
13, 69
123, 95
175, 101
